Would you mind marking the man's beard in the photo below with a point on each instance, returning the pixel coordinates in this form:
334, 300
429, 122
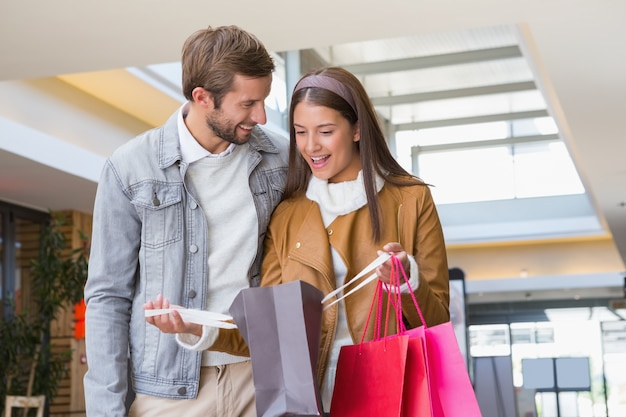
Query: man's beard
225, 129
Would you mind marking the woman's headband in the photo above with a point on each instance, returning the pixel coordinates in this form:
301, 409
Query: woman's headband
330, 84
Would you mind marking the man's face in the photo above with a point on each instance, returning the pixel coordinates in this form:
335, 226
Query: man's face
241, 109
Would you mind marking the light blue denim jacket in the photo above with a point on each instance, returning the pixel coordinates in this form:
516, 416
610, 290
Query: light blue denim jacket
150, 237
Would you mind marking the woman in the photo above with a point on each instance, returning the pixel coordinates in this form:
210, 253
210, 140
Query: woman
346, 200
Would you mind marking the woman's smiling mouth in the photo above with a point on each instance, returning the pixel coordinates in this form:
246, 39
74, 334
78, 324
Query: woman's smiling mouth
319, 161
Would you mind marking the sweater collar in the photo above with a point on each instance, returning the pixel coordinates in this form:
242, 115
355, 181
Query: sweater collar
337, 199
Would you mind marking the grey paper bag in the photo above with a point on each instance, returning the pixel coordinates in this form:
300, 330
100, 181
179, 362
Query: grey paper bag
282, 325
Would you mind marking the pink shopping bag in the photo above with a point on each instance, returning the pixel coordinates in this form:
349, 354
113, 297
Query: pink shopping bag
449, 385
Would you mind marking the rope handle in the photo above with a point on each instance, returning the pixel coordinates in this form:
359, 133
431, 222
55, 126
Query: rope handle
377, 296
397, 271
393, 298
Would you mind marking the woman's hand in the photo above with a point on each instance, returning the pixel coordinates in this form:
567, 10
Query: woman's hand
172, 322
394, 249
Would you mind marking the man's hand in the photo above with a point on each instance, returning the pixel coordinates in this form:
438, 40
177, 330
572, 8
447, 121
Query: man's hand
172, 322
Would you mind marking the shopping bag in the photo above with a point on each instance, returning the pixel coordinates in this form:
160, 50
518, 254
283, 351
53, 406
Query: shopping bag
370, 379
416, 393
370, 376
386, 376
450, 388
416, 399
282, 327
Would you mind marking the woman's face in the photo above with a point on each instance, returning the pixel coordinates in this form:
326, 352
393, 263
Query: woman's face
327, 142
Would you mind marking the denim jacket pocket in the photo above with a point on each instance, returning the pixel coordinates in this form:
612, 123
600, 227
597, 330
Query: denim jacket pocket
267, 187
160, 208
270, 185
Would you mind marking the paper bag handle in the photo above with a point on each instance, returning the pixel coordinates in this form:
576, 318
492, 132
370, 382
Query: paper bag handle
373, 265
207, 318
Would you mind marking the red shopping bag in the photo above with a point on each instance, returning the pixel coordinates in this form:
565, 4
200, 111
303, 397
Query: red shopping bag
416, 395
370, 379
370, 376
449, 385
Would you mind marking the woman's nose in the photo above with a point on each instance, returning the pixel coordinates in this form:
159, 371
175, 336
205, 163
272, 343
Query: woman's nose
311, 144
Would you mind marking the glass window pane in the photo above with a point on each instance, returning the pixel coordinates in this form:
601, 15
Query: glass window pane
468, 175
277, 100
536, 126
475, 132
458, 134
614, 343
459, 107
489, 340
543, 169
535, 169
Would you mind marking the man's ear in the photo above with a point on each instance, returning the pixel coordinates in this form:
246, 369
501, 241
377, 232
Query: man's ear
202, 97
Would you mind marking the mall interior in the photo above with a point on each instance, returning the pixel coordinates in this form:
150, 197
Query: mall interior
513, 111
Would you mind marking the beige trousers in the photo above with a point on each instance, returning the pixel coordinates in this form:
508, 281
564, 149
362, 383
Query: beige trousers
225, 391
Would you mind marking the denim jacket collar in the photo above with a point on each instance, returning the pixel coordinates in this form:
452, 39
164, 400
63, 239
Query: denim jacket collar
169, 143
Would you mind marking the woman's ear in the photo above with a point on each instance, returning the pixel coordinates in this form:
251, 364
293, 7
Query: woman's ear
357, 133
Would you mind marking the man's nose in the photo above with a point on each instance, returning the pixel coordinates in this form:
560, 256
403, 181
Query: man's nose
259, 115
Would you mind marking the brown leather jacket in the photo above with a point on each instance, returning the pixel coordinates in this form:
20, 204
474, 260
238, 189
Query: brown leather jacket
297, 248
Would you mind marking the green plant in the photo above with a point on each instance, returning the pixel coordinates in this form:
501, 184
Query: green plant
18, 340
58, 279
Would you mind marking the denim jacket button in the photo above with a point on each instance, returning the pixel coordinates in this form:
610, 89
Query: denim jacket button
155, 200
193, 205
182, 390
193, 249
191, 294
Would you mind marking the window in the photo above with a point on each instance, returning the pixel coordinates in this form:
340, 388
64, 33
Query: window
490, 161
19, 243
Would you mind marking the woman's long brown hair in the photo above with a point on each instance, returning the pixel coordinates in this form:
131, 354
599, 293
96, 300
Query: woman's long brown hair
376, 158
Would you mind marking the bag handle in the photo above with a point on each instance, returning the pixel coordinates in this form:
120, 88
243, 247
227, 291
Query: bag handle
381, 288
396, 265
207, 318
378, 295
373, 265
394, 288
394, 296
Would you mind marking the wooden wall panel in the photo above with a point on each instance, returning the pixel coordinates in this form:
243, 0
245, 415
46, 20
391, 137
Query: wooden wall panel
70, 400
27, 235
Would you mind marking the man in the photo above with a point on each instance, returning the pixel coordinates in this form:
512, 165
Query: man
180, 215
